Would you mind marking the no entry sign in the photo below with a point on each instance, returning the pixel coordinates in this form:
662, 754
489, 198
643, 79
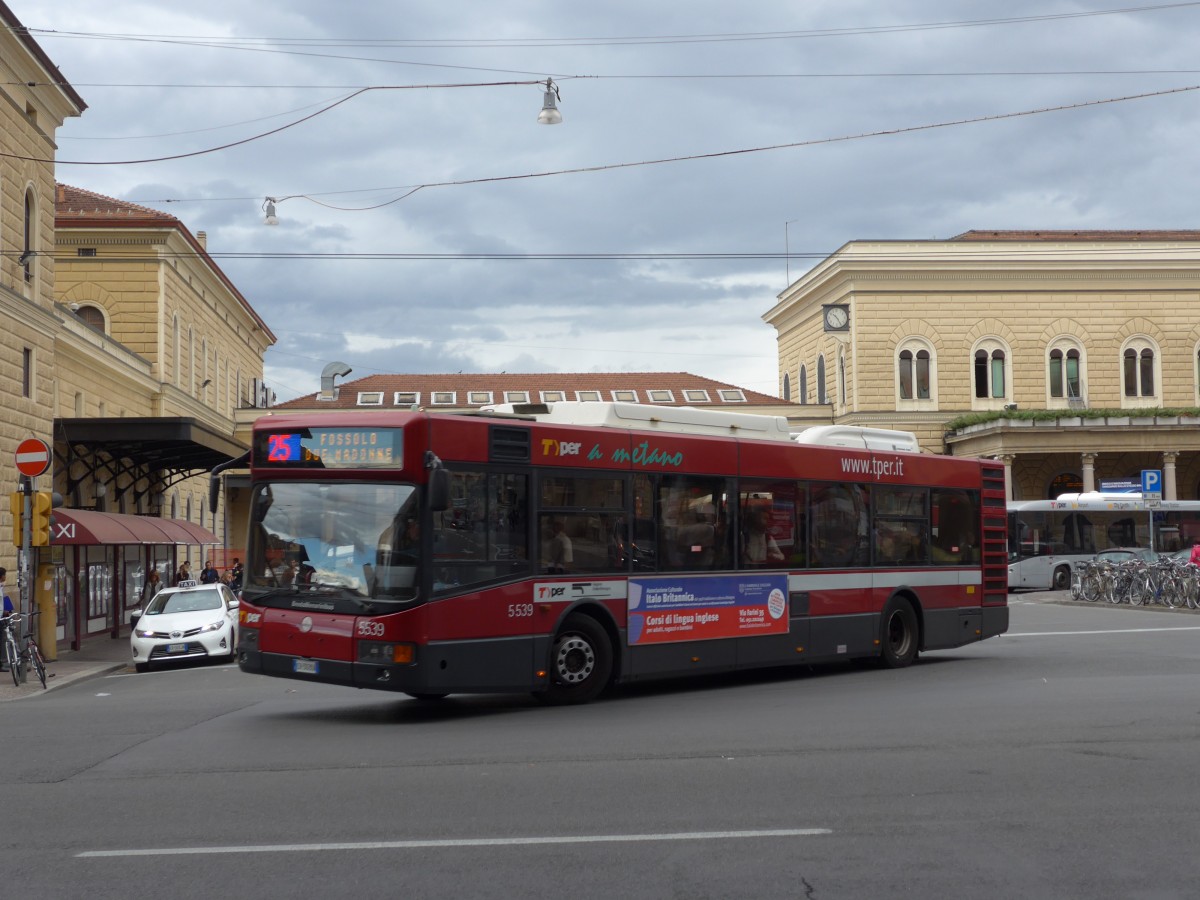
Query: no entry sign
33, 457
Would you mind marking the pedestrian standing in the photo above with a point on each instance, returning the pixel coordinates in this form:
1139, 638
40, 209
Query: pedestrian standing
184, 573
209, 574
152, 586
8, 611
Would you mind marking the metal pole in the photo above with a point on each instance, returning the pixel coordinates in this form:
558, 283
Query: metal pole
23, 574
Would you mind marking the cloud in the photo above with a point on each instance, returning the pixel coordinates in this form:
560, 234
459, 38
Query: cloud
399, 288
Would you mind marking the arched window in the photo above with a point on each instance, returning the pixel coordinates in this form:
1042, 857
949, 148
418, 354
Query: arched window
804, 384
991, 372
913, 375
27, 248
177, 362
916, 374
787, 386
1065, 373
1138, 371
821, 380
842, 377
92, 316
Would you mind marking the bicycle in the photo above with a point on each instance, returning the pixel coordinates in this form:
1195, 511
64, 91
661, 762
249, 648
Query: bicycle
22, 659
10, 648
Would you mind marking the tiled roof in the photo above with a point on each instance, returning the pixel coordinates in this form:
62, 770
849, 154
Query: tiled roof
667, 388
1096, 235
72, 203
76, 208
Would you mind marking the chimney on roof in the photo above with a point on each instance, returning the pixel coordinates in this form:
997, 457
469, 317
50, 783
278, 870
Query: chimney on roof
202, 240
60, 193
330, 372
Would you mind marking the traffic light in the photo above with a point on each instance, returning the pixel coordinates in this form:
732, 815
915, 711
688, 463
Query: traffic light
17, 500
43, 503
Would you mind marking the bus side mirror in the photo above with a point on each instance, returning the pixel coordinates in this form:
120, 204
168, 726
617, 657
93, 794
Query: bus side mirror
439, 490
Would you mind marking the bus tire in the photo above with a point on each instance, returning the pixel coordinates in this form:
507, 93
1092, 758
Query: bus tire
1062, 578
581, 662
899, 635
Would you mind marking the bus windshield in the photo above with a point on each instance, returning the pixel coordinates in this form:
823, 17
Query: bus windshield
356, 539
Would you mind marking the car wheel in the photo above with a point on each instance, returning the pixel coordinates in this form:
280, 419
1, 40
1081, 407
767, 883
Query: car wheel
899, 636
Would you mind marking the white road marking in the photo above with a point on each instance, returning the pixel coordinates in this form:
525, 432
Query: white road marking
1106, 631
465, 842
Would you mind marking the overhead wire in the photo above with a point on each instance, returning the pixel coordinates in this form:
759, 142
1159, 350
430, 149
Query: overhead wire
813, 142
227, 42
254, 45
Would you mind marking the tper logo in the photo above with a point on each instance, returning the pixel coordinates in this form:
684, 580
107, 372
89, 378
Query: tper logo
551, 447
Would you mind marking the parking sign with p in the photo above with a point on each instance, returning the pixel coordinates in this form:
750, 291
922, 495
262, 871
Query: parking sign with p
1151, 484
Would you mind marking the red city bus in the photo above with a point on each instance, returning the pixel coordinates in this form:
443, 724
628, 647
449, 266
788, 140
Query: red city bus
561, 548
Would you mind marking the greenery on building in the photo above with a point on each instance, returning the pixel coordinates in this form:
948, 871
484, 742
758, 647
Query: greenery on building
1045, 415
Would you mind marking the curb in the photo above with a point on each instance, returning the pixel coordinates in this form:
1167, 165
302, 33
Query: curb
54, 680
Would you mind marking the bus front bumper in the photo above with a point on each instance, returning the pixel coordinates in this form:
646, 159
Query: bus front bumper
330, 671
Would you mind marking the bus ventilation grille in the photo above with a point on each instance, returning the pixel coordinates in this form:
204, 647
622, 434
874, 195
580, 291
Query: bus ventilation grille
509, 444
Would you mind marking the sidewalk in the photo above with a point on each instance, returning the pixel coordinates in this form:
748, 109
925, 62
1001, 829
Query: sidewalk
99, 656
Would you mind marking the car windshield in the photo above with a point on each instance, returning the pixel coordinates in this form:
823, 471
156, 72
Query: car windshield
1121, 555
345, 538
183, 601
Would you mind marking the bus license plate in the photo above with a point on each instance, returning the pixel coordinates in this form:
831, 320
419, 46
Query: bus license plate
304, 666
177, 648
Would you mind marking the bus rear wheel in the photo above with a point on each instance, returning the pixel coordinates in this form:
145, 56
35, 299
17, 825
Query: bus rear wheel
581, 664
900, 637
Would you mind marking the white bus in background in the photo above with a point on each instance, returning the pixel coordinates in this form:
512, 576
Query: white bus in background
1047, 539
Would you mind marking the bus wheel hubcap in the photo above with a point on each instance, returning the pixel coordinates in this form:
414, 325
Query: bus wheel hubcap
575, 660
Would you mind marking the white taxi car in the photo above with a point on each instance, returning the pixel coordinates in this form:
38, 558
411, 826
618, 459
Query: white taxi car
188, 621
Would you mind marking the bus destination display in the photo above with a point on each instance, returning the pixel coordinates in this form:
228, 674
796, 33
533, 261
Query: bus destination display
331, 448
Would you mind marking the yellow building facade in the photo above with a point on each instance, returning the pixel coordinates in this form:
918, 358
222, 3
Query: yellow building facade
1074, 357
34, 103
148, 310
127, 351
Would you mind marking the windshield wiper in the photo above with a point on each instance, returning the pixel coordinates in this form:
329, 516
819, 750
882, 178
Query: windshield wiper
294, 591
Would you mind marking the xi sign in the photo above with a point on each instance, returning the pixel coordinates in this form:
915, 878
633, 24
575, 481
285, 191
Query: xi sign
33, 457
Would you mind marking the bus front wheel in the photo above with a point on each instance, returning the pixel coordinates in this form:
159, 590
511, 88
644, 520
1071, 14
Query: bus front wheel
581, 663
900, 636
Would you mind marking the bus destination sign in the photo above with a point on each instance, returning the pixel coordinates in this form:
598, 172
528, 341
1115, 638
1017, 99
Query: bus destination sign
330, 448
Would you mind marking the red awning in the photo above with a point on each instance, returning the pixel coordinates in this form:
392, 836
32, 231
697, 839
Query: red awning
86, 526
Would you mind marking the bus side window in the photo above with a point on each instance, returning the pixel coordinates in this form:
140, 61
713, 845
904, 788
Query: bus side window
840, 525
955, 516
693, 520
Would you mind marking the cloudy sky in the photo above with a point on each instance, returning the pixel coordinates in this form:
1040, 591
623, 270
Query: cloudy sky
712, 141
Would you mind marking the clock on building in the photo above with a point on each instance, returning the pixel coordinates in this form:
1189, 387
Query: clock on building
836, 317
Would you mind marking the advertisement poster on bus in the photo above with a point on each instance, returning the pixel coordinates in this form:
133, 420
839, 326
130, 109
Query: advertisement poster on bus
697, 608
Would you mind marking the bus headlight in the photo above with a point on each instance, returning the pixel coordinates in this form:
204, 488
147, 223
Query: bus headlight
386, 653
